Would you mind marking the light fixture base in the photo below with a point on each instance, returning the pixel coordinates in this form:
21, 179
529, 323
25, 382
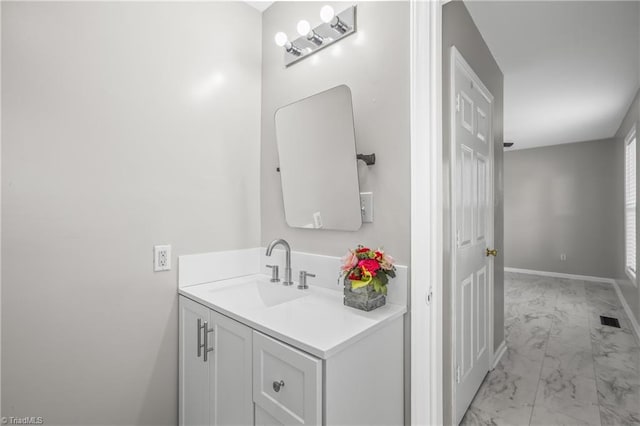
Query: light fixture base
328, 34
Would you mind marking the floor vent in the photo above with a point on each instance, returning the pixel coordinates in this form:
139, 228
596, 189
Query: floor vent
611, 322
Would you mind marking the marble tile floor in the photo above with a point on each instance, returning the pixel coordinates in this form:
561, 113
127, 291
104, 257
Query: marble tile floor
561, 367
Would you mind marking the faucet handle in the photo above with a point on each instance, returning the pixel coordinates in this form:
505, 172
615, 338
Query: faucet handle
274, 273
303, 280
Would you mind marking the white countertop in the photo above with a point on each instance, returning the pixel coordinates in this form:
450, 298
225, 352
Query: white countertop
314, 320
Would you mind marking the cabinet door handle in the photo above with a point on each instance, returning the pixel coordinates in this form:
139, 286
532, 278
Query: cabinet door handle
200, 345
206, 347
278, 385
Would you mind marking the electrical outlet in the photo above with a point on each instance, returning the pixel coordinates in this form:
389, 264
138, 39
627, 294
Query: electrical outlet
563, 257
162, 258
317, 220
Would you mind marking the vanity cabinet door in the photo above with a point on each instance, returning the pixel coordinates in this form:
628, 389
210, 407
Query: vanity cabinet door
193, 379
287, 383
265, 419
231, 378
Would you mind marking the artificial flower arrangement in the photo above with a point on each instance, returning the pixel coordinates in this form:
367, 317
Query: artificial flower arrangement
364, 267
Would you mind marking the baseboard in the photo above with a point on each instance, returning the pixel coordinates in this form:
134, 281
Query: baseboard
561, 275
627, 309
497, 355
623, 301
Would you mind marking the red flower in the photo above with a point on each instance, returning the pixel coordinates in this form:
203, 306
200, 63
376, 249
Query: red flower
363, 250
370, 265
378, 255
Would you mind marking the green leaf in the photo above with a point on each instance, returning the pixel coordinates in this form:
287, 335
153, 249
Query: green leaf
391, 273
382, 277
376, 285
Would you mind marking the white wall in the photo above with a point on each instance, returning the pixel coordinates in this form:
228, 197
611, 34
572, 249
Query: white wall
125, 125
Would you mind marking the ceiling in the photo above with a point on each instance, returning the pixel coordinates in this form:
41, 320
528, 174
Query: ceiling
260, 5
570, 68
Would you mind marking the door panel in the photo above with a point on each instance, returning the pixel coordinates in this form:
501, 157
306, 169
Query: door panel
467, 111
482, 178
194, 372
231, 375
481, 311
466, 193
466, 320
472, 216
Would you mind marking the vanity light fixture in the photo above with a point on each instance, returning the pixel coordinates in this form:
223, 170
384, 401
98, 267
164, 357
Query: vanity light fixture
282, 41
328, 16
304, 29
334, 28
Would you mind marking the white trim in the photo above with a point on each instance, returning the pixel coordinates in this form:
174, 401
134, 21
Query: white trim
627, 310
630, 135
426, 212
457, 60
630, 273
561, 275
502, 349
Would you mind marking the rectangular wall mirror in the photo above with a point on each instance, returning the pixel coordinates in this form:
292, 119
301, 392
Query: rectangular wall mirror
318, 165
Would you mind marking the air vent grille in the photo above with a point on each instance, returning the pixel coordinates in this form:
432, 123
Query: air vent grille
611, 322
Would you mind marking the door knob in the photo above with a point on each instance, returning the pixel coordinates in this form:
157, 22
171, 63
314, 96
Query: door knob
493, 252
278, 385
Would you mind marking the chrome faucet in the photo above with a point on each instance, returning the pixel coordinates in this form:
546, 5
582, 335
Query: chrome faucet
287, 265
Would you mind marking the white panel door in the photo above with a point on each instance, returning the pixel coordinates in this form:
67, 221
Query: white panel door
472, 158
193, 376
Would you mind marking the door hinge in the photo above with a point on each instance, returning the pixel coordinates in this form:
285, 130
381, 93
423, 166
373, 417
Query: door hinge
458, 102
458, 374
429, 296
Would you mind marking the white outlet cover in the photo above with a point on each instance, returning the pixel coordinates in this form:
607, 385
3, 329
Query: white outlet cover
162, 258
366, 206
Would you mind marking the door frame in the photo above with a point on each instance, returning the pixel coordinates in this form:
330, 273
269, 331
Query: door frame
457, 59
426, 300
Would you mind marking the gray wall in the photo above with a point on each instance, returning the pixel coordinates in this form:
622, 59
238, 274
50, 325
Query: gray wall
630, 291
564, 199
374, 63
124, 125
460, 31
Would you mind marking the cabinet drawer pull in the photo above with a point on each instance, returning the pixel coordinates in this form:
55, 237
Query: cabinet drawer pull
278, 385
200, 345
206, 347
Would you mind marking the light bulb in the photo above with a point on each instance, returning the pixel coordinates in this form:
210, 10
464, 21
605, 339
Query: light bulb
304, 27
327, 13
281, 39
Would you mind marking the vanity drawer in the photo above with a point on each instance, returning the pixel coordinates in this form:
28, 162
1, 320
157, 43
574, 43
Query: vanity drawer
287, 383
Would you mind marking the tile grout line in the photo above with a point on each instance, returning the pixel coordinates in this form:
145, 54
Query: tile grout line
593, 359
546, 348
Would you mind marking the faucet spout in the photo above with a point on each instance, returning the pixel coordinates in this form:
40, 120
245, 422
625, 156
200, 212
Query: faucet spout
287, 266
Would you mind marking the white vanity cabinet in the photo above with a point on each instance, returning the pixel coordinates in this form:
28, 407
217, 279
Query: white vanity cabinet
215, 383
249, 377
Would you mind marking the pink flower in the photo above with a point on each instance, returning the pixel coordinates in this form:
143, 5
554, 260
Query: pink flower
349, 261
387, 262
369, 265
